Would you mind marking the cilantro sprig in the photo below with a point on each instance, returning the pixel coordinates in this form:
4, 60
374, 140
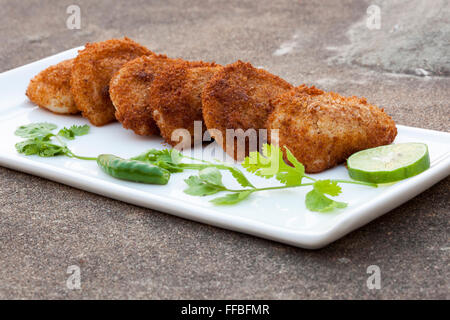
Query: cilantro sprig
41, 141
270, 164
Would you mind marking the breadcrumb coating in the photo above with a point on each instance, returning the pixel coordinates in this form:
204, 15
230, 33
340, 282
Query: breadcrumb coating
239, 97
92, 71
129, 91
322, 129
50, 89
175, 98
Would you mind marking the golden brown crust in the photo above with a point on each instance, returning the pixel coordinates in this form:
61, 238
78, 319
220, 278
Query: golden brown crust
129, 89
239, 97
92, 71
322, 128
50, 89
129, 93
175, 98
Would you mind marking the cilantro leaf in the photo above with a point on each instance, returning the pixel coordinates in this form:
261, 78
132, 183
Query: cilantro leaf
240, 177
167, 159
80, 130
258, 163
66, 133
27, 147
33, 130
41, 147
328, 187
270, 163
208, 181
317, 201
211, 176
293, 160
52, 150
197, 187
74, 131
232, 198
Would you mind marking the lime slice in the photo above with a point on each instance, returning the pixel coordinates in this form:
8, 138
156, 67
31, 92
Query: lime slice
389, 163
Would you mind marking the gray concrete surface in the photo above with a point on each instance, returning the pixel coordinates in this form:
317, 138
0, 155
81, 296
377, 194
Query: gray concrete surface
130, 252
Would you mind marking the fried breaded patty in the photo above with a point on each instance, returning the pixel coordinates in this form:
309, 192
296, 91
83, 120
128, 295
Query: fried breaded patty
50, 89
92, 71
239, 97
175, 98
129, 89
322, 128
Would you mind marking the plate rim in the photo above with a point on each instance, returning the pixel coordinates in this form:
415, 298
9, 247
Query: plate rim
364, 213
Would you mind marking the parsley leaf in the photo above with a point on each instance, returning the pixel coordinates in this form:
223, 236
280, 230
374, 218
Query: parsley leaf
270, 163
317, 201
74, 131
232, 198
33, 130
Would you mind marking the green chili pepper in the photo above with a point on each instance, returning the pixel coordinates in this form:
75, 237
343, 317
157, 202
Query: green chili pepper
132, 170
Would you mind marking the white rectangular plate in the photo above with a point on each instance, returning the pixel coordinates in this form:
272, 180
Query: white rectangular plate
277, 215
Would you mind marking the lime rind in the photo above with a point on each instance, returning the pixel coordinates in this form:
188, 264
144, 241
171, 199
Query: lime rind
389, 163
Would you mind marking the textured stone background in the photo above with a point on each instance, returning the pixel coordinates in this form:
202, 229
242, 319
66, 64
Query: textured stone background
130, 252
